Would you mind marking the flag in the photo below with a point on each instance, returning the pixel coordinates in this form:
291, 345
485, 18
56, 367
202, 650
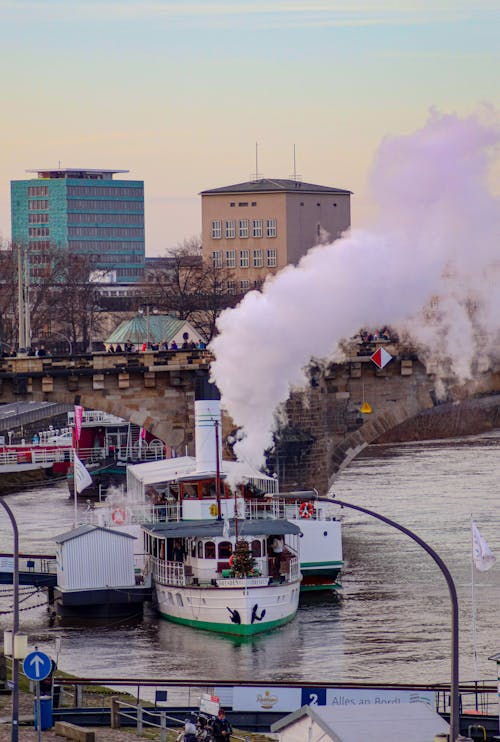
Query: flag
78, 421
481, 553
143, 434
82, 477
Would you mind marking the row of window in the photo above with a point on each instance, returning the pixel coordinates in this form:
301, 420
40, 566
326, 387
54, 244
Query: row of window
243, 203
105, 232
42, 245
244, 225
89, 245
90, 204
224, 550
244, 285
38, 231
38, 204
137, 219
111, 258
129, 272
244, 258
132, 192
38, 218
38, 190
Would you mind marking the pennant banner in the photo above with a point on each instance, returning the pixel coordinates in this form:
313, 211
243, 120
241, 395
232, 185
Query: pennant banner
78, 421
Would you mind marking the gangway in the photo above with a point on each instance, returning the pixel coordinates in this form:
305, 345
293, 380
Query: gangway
38, 570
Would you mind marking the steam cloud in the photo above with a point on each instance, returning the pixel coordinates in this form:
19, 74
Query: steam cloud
436, 235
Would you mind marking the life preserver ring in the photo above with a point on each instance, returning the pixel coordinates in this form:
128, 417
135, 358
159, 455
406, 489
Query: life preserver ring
306, 510
119, 516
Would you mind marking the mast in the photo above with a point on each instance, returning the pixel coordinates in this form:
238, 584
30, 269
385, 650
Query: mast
217, 472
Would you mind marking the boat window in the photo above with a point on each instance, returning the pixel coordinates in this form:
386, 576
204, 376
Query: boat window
209, 550
200, 550
178, 597
256, 548
225, 549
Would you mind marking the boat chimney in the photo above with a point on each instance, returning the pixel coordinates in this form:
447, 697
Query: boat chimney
207, 413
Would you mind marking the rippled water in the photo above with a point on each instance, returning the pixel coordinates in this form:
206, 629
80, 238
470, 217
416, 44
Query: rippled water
391, 623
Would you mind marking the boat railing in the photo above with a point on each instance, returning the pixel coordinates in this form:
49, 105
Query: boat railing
168, 573
283, 509
293, 569
34, 455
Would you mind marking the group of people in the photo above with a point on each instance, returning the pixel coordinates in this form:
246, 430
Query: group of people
198, 729
129, 347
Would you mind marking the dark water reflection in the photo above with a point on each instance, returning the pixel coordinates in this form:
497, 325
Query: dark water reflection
391, 623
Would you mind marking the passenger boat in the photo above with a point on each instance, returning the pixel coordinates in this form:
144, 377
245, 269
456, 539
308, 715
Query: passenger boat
107, 444
27, 465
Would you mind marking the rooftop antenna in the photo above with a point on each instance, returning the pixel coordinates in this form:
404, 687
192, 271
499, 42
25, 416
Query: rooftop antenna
295, 175
256, 175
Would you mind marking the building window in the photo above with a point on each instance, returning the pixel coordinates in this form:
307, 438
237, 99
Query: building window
254, 203
120, 191
38, 190
230, 227
258, 259
230, 258
272, 258
38, 204
244, 258
243, 203
257, 227
216, 229
244, 285
216, 259
243, 231
271, 228
87, 204
38, 218
38, 231
232, 203
231, 287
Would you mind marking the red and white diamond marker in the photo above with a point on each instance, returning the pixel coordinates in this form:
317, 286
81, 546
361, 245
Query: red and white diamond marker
381, 357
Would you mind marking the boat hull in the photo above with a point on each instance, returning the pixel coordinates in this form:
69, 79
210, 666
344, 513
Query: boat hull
237, 610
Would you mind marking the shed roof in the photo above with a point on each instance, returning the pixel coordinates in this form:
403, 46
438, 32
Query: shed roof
284, 185
83, 530
214, 528
411, 722
161, 327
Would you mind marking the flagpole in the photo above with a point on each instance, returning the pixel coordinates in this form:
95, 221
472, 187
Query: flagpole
75, 498
474, 611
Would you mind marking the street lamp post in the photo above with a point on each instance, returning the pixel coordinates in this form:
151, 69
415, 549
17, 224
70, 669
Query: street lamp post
454, 684
15, 624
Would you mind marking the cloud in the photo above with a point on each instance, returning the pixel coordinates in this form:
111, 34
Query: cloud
284, 13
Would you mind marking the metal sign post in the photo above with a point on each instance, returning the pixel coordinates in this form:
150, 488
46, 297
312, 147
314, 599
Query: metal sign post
38, 712
37, 666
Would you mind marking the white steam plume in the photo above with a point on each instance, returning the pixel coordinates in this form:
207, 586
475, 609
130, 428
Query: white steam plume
436, 234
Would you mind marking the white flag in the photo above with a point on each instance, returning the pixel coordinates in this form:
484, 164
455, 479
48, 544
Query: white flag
83, 478
481, 553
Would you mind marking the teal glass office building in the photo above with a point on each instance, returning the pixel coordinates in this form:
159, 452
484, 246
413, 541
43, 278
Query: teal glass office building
87, 212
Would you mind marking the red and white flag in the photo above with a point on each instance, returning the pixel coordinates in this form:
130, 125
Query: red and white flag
78, 421
143, 434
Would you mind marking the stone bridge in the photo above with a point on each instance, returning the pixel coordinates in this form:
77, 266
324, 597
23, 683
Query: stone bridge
326, 428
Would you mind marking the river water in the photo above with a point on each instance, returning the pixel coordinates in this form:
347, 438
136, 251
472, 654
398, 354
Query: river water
391, 621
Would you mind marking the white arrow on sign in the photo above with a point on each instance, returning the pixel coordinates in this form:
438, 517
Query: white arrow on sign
37, 661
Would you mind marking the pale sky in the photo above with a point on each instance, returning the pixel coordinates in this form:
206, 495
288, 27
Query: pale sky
180, 92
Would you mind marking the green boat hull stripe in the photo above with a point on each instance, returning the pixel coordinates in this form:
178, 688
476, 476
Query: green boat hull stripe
235, 629
304, 565
311, 588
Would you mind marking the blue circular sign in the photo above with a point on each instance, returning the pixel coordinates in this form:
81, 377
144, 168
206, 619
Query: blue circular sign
37, 665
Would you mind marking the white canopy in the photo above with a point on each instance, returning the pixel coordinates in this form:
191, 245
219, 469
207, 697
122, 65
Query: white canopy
139, 476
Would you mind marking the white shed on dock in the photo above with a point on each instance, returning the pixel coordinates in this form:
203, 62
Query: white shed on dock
92, 558
387, 722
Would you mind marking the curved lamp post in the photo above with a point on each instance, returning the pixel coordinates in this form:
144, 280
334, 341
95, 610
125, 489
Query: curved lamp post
15, 624
454, 689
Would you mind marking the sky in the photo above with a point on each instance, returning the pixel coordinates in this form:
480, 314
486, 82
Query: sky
179, 93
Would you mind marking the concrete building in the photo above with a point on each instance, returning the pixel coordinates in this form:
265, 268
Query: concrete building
84, 211
257, 228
